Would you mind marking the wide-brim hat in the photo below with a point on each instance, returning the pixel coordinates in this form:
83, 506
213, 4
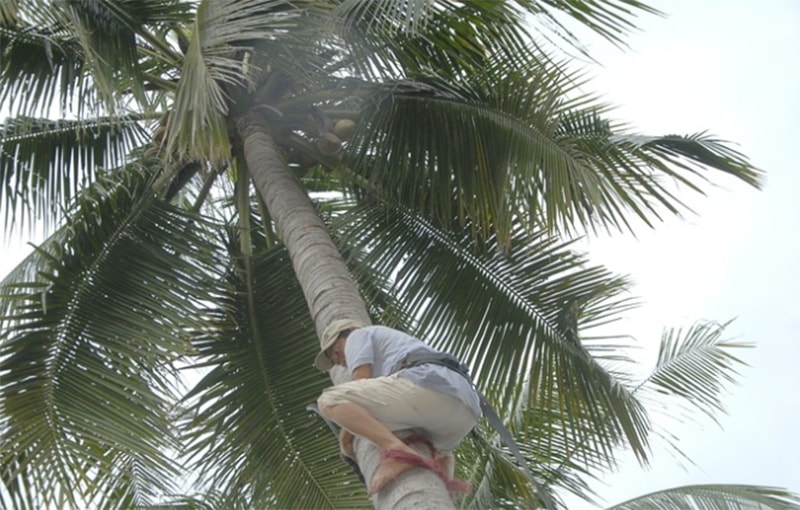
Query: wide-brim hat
329, 336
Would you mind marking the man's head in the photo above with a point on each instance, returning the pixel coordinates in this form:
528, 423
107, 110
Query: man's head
329, 337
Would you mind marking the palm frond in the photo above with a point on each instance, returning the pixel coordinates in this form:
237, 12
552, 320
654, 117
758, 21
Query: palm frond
84, 56
497, 482
402, 16
690, 375
211, 500
693, 366
41, 65
390, 39
45, 163
611, 19
715, 497
482, 148
396, 39
85, 377
454, 158
690, 153
249, 433
110, 33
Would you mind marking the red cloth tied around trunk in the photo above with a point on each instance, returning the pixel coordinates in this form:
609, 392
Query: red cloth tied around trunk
454, 485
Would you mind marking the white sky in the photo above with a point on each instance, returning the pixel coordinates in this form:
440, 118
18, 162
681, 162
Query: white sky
730, 67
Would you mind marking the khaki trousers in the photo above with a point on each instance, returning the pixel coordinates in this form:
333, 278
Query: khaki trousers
400, 404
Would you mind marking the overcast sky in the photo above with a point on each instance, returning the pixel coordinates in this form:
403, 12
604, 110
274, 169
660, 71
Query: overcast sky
730, 67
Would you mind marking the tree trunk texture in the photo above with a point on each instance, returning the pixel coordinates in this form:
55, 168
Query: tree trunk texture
330, 291
327, 285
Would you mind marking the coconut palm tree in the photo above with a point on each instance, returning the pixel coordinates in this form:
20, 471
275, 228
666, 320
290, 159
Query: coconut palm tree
155, 348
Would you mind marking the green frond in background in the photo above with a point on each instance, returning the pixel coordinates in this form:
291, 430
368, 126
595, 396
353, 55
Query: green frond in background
693, 153
248, 430
87, 351
81, 56
40, 63
714, 497
612, 20
695, 366
41, 188
389, 40
483, 148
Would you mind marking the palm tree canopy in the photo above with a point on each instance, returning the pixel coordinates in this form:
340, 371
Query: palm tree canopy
459, 110
460, 153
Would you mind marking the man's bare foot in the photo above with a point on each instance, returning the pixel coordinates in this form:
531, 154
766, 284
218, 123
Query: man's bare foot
395, 462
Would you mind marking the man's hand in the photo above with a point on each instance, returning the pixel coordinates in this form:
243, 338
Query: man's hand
346, 444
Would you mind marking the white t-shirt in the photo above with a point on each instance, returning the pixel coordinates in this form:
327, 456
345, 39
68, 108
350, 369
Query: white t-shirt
384, 348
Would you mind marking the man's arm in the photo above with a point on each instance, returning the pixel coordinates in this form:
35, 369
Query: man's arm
362, 372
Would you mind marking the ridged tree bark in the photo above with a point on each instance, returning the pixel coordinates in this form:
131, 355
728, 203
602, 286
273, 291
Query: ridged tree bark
330, 292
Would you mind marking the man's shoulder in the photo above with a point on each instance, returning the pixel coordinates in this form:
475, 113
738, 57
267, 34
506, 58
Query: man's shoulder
384, 329
376, 327
379, 332
372, 330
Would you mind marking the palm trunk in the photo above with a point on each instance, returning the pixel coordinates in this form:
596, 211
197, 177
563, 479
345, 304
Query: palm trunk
327, 285
329, 290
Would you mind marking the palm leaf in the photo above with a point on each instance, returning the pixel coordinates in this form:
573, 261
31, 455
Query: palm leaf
211, 500
250, 435
493, 476
690, 375
41, 64
715, 497
110, 31
482, 148
391, 39
693, 367
83, 55
36, 187
690, 154
85, 379
692, 370
28, 270
611, 19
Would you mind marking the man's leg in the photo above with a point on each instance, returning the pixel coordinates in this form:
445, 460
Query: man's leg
373, 408
360, 422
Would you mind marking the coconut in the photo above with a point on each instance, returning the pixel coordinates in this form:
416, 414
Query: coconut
344, 129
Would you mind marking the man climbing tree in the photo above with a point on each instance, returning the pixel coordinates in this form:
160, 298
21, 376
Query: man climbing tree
381, 397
